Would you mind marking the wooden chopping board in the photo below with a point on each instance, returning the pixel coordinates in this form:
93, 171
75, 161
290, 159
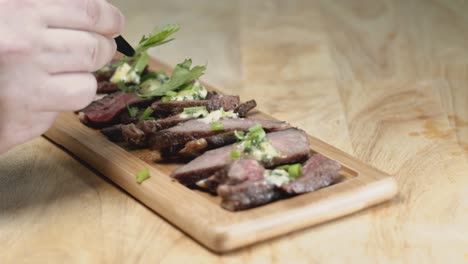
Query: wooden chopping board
199, 214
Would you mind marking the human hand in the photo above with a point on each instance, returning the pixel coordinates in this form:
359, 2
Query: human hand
48, 51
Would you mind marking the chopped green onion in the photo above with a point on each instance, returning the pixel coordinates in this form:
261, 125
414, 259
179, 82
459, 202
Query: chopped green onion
235, 154
295, 170
217, 126
283, 167
239, 134
166, 99
142, 175
147, 114
193, 110
255, 128
132, 111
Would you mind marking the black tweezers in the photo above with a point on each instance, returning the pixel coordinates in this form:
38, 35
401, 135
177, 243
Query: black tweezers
123, 47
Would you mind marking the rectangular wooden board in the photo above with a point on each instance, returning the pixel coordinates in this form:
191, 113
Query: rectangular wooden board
199, 214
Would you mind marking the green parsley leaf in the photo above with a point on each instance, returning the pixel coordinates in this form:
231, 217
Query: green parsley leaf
181, 75
157, 37
142, 175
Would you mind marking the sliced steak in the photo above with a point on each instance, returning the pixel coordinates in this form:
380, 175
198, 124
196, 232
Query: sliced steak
246, 107
113, 133
107, 87
317, 172
239, 171
148, 128
133, 135
248, 194
197, 147
292, 145
104, 111
194, 129
227, 102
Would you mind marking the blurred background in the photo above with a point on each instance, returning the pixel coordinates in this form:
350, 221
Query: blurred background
321, 62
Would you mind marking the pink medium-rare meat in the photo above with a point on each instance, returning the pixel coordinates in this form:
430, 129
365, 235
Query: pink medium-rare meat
291, 144
194, 129
239, 171
317, 172
105, 110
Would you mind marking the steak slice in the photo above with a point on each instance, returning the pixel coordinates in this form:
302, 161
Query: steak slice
104, 111
197, 147
248, 194
239, 171
194, 129
133, 135
106, 87
148, 128
317, 172
244, 108
292, 145
227, 102
113, 133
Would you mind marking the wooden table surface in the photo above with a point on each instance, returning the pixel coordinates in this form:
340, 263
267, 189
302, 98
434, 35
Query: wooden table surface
386, 81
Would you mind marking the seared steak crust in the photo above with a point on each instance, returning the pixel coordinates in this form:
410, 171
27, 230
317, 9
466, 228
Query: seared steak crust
248, 194
104, 111
227, 102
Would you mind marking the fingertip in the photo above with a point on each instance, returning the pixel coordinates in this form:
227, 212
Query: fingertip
120, 25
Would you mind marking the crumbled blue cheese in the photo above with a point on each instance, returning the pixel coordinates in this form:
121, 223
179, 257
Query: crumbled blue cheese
263, 152
125, 73
216, 115
277, 177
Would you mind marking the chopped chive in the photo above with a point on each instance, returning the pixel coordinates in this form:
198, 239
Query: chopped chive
295, 170
235, 154
142, 175
217, 126
147, 114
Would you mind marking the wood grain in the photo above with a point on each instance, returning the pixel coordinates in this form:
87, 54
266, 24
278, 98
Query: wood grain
385, 81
